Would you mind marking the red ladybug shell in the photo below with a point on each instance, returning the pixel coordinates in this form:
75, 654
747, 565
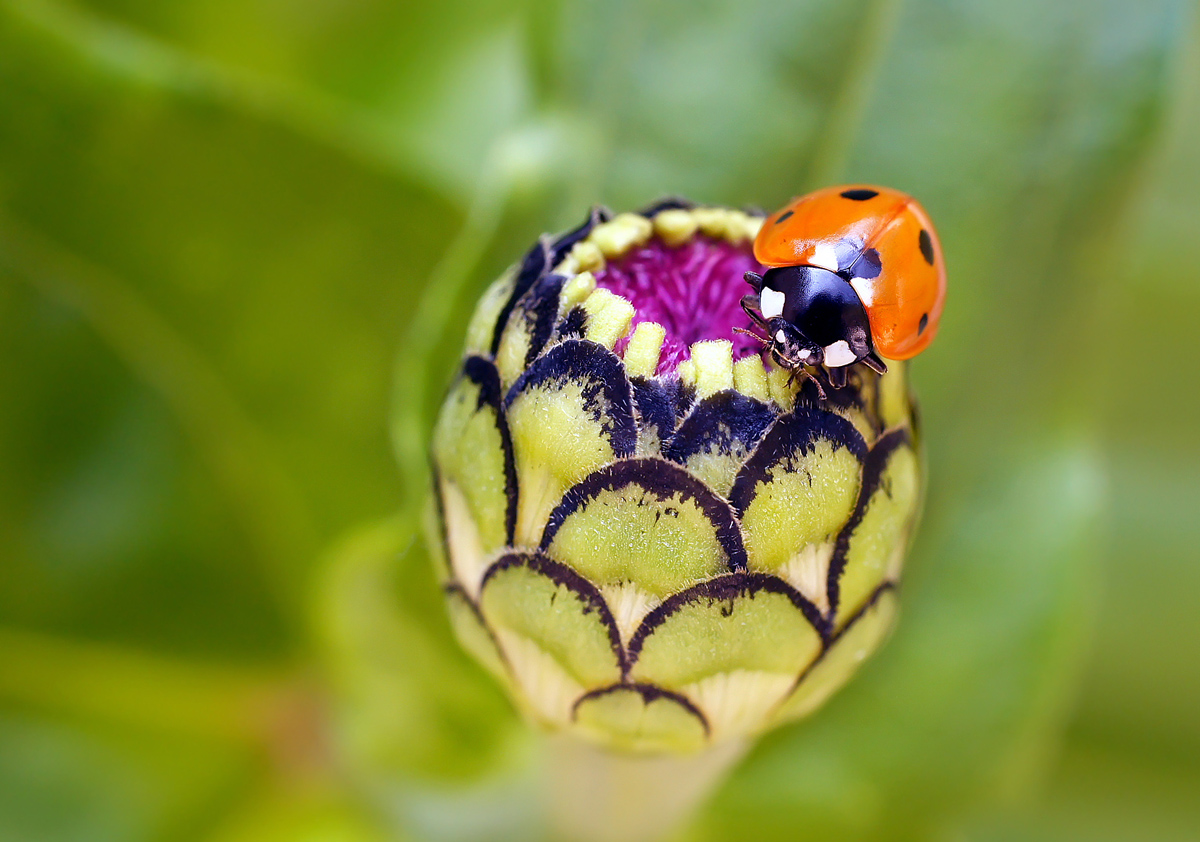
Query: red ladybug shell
883, 242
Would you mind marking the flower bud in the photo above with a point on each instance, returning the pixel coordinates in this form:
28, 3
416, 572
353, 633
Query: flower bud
654, 539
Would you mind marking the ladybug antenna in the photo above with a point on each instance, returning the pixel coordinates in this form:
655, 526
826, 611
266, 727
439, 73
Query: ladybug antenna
751, 333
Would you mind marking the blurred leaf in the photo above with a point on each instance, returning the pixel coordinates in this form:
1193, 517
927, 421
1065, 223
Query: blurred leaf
110, 684
1105, 798
250, 276
301, 817
430, 85
724, 104
1139, 694
63, 783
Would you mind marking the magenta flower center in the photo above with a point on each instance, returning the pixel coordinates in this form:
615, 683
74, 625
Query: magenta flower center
693, 290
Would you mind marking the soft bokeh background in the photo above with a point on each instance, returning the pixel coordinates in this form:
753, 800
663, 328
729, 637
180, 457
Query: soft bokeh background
221, 221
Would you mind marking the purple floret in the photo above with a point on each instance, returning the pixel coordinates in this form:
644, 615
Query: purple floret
694, 291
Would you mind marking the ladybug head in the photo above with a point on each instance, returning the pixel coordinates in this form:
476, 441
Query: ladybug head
791, 348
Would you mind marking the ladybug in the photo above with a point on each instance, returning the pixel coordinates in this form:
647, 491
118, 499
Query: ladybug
855, 274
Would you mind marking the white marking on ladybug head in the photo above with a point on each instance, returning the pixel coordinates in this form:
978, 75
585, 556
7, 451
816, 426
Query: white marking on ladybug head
770, 301
839, 354
780, 336
824, 256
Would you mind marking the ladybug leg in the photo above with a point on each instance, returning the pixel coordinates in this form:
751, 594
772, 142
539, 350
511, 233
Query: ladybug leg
804, 372
817, 382
837, 377
755, 280
873, 362
750, 307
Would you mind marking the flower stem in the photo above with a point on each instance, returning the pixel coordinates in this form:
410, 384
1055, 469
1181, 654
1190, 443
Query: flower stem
598, 796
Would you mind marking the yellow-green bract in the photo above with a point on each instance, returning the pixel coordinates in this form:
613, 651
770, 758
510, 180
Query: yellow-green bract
651, 538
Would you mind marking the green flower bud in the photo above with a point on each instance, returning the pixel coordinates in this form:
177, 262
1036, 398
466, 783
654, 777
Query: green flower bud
652, 538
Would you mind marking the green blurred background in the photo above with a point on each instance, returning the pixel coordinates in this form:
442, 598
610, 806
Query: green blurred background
237, 236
